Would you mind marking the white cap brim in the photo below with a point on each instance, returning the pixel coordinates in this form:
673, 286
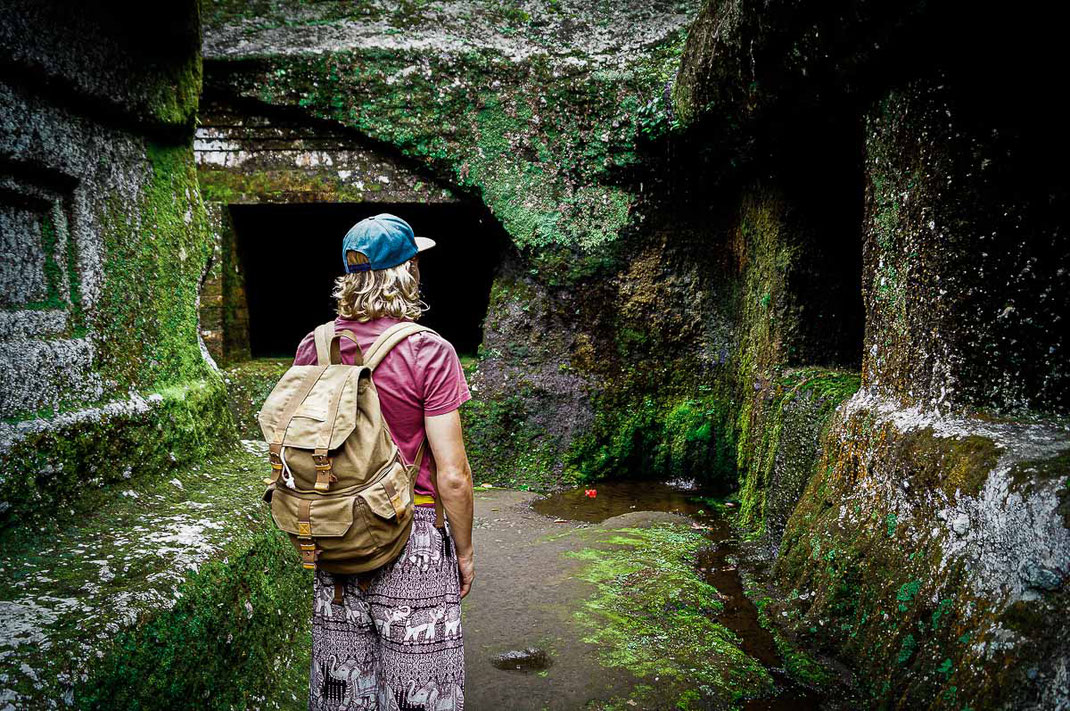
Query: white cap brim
424, 243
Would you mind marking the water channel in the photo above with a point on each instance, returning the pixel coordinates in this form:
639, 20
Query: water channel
717, 564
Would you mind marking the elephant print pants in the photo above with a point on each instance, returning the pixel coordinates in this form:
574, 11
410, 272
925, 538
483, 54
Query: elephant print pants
396, 645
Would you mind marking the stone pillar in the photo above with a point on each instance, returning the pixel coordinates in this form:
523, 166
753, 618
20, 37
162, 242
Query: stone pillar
965, 279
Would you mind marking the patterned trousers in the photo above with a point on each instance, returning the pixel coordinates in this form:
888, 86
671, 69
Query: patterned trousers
397, 644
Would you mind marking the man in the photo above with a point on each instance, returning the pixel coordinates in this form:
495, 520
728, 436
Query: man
395, 640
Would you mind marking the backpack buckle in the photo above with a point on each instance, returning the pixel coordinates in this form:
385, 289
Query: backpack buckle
324, 475
309, 554
276, 466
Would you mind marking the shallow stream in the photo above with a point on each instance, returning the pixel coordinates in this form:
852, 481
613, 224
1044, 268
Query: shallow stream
715, 563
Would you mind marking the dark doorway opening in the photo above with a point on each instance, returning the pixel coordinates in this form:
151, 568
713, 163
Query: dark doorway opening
291, 254
820, 167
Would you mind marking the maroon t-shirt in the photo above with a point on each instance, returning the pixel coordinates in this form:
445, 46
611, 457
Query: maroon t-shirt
420, 376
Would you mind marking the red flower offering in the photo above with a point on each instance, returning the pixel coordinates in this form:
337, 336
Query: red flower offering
591, 493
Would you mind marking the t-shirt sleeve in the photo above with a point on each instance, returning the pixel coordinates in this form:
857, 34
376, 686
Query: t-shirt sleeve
444, 385
306, 350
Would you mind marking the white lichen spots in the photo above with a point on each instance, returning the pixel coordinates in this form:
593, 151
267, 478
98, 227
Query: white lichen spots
38, 374
255, 447
130, 560
578, 36
1014, 538
133, 408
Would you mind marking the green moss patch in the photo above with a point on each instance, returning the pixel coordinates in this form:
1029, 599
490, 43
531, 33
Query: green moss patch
780, 456
653, 615
507, 447
75, 459
662, 438
156, 249
174, 593
959, 466
873, 582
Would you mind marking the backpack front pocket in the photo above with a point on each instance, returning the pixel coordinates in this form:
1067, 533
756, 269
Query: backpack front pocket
328, 517
388, 505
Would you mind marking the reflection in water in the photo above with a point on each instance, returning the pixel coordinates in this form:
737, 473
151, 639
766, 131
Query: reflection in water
714, 563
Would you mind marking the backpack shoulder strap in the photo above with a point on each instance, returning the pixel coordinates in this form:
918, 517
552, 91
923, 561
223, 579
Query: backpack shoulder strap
390, 338
324, 334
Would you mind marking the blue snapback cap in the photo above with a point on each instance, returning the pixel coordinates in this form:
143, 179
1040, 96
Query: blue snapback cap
380, 242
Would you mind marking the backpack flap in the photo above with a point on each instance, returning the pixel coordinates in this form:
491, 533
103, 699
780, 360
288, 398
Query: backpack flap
325, 416
329, 518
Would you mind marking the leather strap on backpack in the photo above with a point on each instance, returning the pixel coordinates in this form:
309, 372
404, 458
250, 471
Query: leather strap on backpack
327, 352
283, 423
305, 542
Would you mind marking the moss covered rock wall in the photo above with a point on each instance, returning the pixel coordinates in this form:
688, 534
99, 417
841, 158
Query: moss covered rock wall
533, 108
139, 569
108, 243
924, 535
965, 269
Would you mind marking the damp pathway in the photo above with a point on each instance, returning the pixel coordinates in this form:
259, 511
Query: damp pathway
519, 613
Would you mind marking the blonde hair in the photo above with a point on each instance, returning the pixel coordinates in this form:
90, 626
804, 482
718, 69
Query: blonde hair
391, 292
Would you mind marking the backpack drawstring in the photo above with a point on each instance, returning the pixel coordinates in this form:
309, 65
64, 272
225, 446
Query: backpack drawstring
287, 476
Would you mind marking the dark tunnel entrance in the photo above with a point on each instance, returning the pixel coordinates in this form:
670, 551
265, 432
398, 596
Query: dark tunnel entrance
290, 256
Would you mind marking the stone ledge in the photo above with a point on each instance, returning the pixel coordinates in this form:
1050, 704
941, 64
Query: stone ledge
63, 460
175, 594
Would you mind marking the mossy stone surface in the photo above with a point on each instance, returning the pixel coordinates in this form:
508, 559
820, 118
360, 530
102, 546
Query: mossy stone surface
534, 110
75, 461
175, 592
891, 549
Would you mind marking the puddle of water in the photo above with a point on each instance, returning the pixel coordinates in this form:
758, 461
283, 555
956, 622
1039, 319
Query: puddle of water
530, 659
619, 497
714, 564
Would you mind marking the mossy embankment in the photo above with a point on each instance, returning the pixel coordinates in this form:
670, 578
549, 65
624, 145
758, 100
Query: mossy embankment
176, 593
248, 385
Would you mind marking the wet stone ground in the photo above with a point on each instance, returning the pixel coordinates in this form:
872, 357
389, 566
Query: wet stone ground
629, 599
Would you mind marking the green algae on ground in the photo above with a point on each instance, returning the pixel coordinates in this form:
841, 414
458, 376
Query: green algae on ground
653, 615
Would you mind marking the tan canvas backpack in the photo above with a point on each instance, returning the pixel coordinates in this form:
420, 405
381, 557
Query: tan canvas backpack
339, 485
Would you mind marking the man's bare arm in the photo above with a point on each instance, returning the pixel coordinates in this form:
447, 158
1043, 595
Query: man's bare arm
454, 487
